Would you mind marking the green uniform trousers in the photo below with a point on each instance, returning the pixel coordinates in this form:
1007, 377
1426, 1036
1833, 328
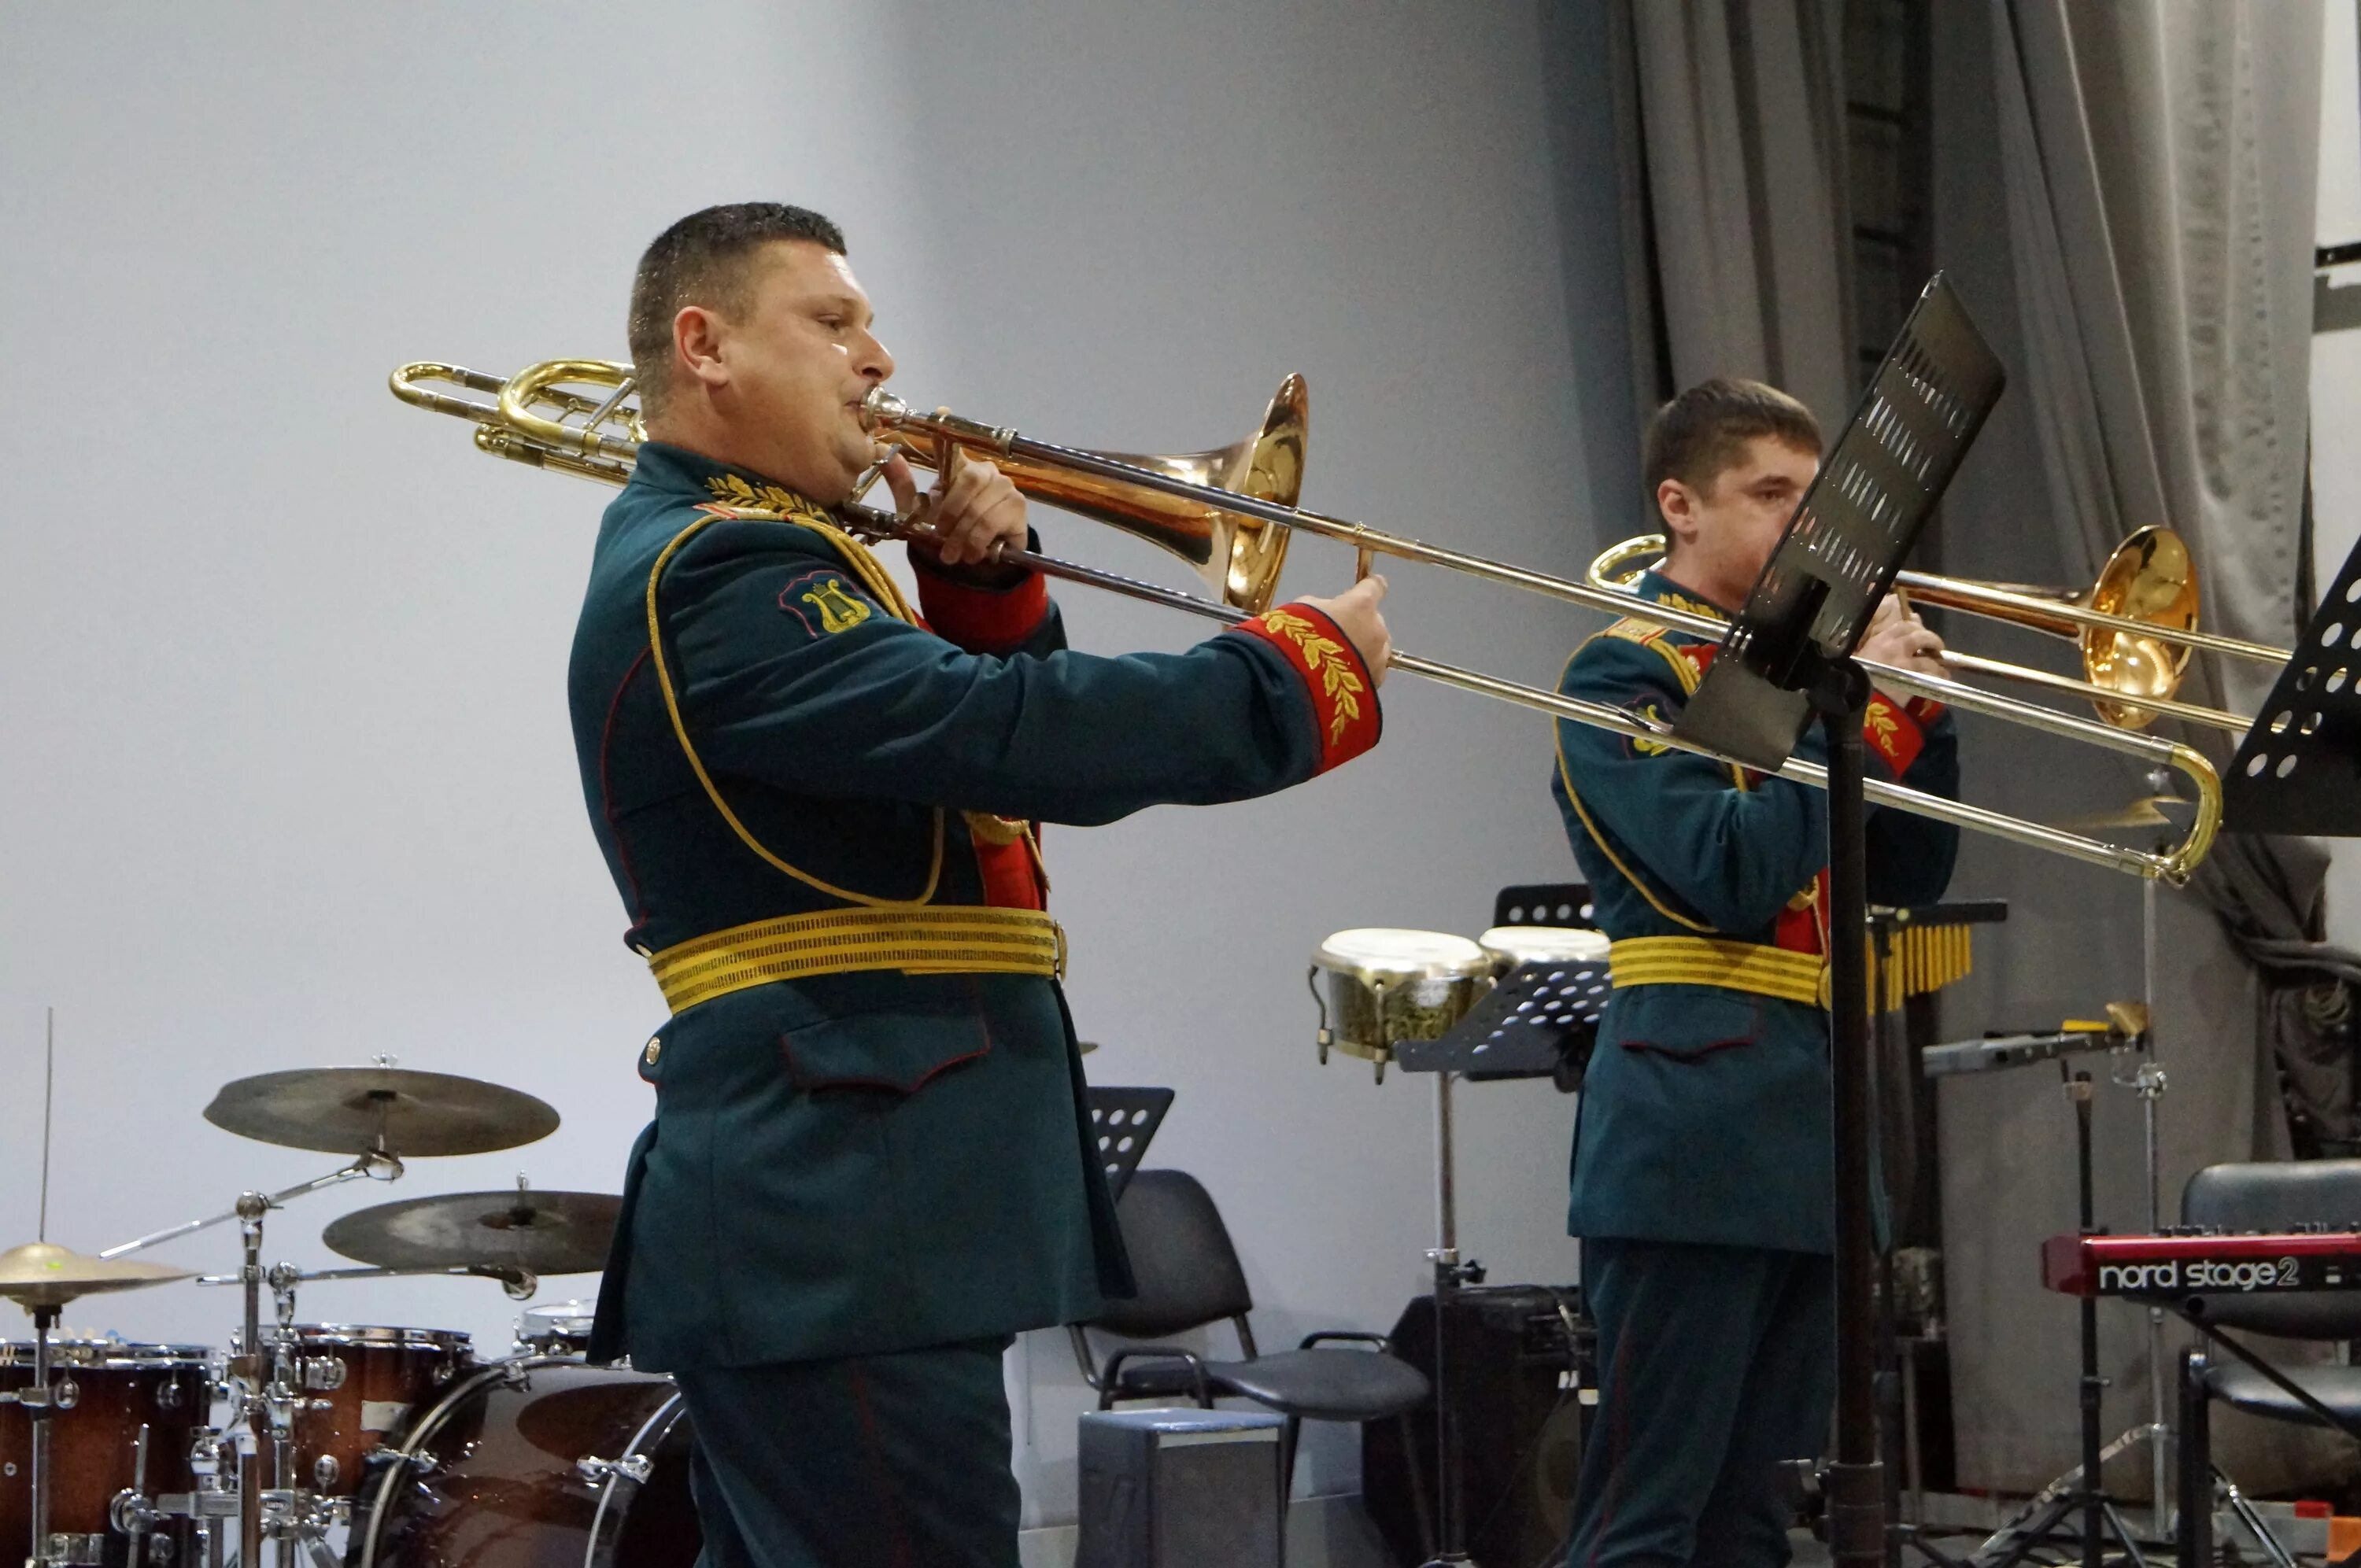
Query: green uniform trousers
891, 1460
1715, 1364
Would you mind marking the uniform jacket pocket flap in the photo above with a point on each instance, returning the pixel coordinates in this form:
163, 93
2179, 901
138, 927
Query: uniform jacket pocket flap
891, 1053
1686, 1022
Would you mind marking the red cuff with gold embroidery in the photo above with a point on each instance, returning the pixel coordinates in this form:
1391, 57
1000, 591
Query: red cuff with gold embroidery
1893, 733
977, 619
1344, 697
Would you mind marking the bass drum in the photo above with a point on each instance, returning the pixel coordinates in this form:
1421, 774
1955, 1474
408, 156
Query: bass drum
535, 1462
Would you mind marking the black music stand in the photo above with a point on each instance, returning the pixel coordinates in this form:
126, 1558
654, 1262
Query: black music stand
2299, 769
1121, 1121
1786, 659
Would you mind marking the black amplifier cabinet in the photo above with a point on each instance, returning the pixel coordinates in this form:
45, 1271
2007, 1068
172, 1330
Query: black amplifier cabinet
1518, 1358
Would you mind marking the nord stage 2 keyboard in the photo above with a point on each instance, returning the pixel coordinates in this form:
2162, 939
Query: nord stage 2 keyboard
2193, 1263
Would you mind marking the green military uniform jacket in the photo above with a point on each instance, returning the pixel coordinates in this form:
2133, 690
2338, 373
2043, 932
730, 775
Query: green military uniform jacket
1705, 1114
856, 1162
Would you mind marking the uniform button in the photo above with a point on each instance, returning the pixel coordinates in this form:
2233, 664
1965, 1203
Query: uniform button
655, 1050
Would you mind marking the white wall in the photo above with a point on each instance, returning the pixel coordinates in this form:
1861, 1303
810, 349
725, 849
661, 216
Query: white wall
287, 777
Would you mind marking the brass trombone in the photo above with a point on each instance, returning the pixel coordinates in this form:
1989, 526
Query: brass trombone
532, 419
2137, 626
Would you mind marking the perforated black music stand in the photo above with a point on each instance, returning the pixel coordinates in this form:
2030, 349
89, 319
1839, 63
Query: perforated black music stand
1524, 1026
1121, 1121
2299, 769
1786, 659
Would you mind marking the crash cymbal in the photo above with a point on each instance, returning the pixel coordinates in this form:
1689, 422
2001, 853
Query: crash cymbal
353, 1110
542, 1232
2148, 811
40, 1275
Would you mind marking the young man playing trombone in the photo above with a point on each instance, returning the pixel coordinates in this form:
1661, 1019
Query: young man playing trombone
868, 1168
1702, 1170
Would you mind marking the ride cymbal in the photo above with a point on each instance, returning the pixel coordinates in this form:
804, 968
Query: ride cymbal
40, 1275
541, 1233
353, 1110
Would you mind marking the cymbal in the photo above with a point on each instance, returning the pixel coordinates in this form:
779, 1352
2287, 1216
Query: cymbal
40, 1275
542, 1232
353, 1110
2148, 811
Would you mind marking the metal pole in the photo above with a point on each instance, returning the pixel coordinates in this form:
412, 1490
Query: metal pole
2093, 1386
40, 1413
377, 1165
2151, 1089
1450, 1502
248, 1371
1856, 1485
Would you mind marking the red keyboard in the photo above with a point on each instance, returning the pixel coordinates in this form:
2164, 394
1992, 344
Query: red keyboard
2192, 1263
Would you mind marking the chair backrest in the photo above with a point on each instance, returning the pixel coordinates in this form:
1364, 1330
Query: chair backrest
1186, 1270
2280, 1195
1543, 903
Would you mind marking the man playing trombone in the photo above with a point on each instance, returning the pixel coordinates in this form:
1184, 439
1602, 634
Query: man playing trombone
868, 1166
1702, 1170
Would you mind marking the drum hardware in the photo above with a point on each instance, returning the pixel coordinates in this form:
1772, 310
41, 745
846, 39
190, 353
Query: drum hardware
42, 1277
557, 1329
536, 421
374, 1164
636, 1469
376, 1114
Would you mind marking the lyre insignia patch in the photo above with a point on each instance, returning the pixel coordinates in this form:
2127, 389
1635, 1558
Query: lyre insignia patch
826, 594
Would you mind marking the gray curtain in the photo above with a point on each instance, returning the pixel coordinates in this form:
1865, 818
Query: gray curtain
2158, 164
1741, 109
2123, 194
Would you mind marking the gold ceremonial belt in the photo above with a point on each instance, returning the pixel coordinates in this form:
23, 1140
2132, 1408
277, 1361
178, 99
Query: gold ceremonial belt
1924, 959
947, 940
1733, 966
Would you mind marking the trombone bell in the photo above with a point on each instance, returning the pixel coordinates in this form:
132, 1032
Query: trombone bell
1239, 557
2149, 579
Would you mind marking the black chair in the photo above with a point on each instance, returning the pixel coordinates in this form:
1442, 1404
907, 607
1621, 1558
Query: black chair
2271, 1197
1189, 1277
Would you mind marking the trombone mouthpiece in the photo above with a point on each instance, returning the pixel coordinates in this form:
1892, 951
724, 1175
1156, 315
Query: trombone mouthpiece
881, 408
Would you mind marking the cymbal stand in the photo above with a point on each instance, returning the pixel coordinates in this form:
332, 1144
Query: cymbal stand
247, 1372
520, 1283
2080, 1489
40, 1403
379, 1164
2150, 1083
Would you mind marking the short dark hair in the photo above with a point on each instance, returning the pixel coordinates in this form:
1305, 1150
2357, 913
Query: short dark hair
1705, 430
703, 260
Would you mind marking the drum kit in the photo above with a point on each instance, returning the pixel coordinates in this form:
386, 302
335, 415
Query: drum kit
389, 1447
